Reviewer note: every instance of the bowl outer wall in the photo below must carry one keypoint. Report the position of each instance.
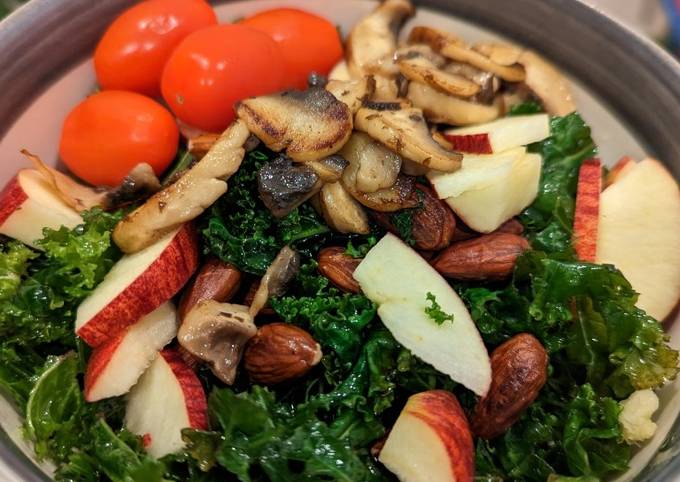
(637, 80)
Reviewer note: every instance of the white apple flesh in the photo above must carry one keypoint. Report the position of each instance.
(639, 233)
(500, 135)
(168, 398)
(136, 285)
(115, 366)
(28, 204)
(398, 280)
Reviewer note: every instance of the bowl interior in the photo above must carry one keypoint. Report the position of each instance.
(38, 130)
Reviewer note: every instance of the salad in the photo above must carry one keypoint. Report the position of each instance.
(281, 256)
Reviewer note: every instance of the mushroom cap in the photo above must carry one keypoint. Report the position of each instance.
(446, 109)
(283, 185)
(341, 211)
(548, 84)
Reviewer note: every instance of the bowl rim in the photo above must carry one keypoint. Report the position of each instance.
(46, 20)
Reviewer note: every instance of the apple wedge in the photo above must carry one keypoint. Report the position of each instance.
(168, 398)
(430, 441)
(28, 204)
(500, 135)
(136, 285)
(486, 205)
(115, 366)
(620, 169)
(587, 211)
(398, 280)
(639, 233)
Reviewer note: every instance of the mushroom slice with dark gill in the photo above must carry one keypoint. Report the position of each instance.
(217, 334)
(340, 210)
(283, 186)
(405, 131)
(352, 92)
(188, 197)
(329, 169)
(446, 109)
(282, 270)
(422, 69)
(401, 195)
(548, 84)
(140, 183)
(309, 125)
(372, 166)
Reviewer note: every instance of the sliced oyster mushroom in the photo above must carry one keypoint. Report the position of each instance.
(340, 72)
(405, 132)
(373, 39)
(188, 197)
(446, 109)
(282, 270)
(283, 186)
(488, 83)
(340, 210)
(329, 169)
(309, 125)
(217, 334)
(422, 69)
(372, 166)
(499, 53)
(399, 196)
(456, 49)
(352, 92)
(548, 84)
(140, 183)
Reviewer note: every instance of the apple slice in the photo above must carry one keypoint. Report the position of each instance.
(587, 211)
(620, 169)
(168, 398)
(500, 135)
(430, 441)
(115, 366)
(639, 233)
(28, 204)
(398, 279)
(138, 284)
(485, 208)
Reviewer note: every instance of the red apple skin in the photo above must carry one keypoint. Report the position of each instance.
(440, 410)
(156, 285)
(11, 197)
(472, 143)
(99, 360)
(587, 212)
(616, 170)
(194, 395)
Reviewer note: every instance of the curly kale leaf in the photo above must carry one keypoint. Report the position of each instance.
(242, 231)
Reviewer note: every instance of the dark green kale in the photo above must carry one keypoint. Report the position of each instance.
(526, 108)
(435, 312)
(242, 231)
(549, 220)
(403, 224)
(360, 250)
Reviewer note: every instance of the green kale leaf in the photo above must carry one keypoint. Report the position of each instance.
(435, 312)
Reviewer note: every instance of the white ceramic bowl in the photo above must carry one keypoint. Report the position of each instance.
(31, 117)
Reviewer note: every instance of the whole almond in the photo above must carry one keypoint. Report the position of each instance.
(486, 258)
(280, 352)
(519, 369)
(198, 146)
(216, 280)
(336, 265)
(433, 222)
(512, 226)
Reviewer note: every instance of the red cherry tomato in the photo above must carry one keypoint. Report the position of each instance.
(309, 43)
(214, 68)
(133, 51)
(109, 133)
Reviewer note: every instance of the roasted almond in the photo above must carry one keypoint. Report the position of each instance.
(519, 369)
(280, 352)
(200, 145)
(266, 310)
(486, 258)
(433, 223)
(512, 226)
(216, 280)
(336, 265)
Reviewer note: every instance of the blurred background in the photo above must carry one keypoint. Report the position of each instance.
(657, 19)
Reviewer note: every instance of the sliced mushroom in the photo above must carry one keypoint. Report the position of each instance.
(188, 197)
(217, 334)
(548, 84)
(140, 183)
(352, 92)
(309, 125)
(399, 196)
(414, 169)
(422, 69)
(373, 39)
(329, 169)
(340, 72)
(283, 186)
(446, 109)
(282, 270)
(372, 166)
(499, 53)
(456, 49)
(488, 83)
(405, 132)
(341, 211)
